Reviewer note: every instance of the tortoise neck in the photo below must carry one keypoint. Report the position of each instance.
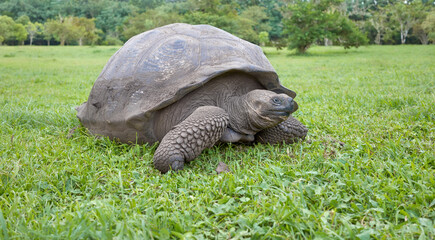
(241, 119)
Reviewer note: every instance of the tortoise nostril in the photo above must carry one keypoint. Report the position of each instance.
(291, 104)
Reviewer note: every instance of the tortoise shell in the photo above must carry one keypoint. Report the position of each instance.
(159, 67)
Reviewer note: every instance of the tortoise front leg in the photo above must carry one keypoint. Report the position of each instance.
(289, 131)
(185, 141)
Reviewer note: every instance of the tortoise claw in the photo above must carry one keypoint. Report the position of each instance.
(177, 165)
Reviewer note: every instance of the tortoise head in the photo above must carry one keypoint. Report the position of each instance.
(266, 109)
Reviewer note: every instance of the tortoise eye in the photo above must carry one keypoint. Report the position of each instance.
(276, 100)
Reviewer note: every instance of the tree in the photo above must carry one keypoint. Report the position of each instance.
(275, 17)
(62, 29)
(424, 28)
(10, 30)
(112, 17)
(89, 9)
(213, 7)
(259, 18)
(6, 28)
(272, 10)
(347, 33)
(148, 20)
(109, 14)
(358, 10)
(48, 35)
(34, 29)
(227, 23)
(379, 21)
(428, 25)
(86, 30)
(20, 30)
(243, 28)
(420, 33)
(20, 33)
(308, 22)
(264, 38)
(226, 20)
(145, 5)
(24, 20)
(36, 10)
(406, 16)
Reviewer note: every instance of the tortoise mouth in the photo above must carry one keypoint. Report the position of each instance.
(285, 110)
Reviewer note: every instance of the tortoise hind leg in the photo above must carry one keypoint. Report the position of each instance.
(288, 131)
(185, 141)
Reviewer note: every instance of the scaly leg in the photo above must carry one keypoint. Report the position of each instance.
(289, 131)
(185, 141)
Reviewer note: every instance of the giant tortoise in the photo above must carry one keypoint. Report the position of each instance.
(188, 87)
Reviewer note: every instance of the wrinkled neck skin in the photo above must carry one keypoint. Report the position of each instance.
(243, 117)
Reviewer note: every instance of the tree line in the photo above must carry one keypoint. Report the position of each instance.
(297, 24)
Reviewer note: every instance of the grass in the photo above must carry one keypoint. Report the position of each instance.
(366, 170)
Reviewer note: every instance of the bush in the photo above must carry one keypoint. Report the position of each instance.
(309, 22)
(112, 41)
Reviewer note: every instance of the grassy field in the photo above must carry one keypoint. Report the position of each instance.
(366, 170)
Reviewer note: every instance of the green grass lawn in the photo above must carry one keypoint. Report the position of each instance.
(366, 170)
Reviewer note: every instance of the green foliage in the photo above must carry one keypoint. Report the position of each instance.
(428, 25)
(112, 41)
(224, 22)
(61, 29)
(254, 20)
(263, 38)
(148, 20)
(70, 29)
(6, 28)
(113, 16)
(239, 26)
(34, 29)
(379, 20)
(273, 15)
(212, 7)
(120, 19)
(19, 33)
(309, 22)
(244, 28)
(36, 10)
(86, 30)
(406, 16)
(24, 20)
(259, 17)
(10, 30)
(144, 5)
(365, 171)
(424, 27)
(246, 25)
(348, 34)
